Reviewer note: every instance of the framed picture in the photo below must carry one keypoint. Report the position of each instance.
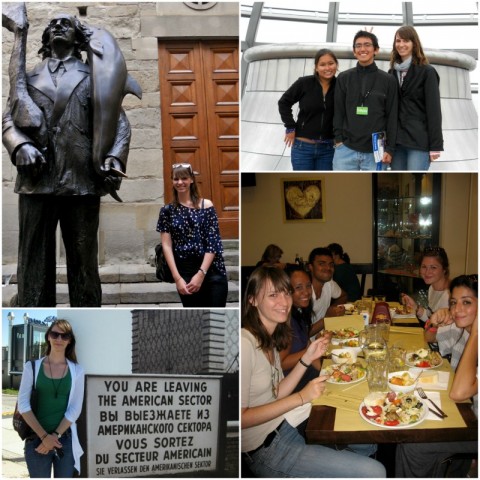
(303, 199)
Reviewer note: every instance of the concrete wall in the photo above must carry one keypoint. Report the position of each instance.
(127, 230)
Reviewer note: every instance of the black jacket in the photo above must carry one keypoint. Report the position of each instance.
(315, 118)
(355, 131)
(419, 111)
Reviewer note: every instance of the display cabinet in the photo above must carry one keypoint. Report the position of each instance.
(406, 220)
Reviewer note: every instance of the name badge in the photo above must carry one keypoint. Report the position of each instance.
(362, 110)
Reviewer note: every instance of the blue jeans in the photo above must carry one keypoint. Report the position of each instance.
(289, 456)
(410, 159)
(312, 156)
(40, 466)
(347, 159)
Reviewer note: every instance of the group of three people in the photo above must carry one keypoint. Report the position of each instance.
(279, 383)
(338, 116)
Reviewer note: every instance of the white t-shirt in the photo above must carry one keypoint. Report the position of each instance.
(436, 299)
(330, 290)
(256, 380)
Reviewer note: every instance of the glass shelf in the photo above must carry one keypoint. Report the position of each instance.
(406, 212)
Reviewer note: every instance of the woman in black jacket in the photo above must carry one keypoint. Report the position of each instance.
(311, 135)
(419, 134)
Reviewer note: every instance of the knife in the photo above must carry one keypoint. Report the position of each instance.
(437, 414)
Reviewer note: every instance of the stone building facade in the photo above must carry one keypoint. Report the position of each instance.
(127, 230)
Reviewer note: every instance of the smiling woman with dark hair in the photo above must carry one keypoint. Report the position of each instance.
(59, 383)
(311, 134)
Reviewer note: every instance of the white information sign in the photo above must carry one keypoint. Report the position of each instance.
(147, 425)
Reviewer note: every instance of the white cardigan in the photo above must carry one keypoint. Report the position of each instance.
(75, 400)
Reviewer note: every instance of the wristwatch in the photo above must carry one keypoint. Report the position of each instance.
(203, 271)
(57, 434)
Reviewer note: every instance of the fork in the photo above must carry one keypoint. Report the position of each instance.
(424, 396)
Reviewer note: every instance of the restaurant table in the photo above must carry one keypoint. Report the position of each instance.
(335, 416)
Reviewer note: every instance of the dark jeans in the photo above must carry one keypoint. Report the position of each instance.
(40, 466)
(312, 156)
(36, 271)
(214, 289)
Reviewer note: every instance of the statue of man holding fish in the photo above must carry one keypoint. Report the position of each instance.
(68, 136)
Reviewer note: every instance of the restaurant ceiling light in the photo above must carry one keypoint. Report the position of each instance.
(426, 200)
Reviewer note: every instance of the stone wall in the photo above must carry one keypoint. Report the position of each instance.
(127, 230)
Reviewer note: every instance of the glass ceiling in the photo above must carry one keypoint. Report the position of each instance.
(445, 25)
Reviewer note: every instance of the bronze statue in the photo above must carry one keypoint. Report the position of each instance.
(67, 134)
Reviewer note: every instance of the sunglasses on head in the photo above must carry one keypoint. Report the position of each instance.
(183, 165)
(63, 336)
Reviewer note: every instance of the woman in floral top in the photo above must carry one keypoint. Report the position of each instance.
(191, 243)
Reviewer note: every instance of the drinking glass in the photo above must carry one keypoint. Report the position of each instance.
(384, 328)
(396, 358)
(377, 373)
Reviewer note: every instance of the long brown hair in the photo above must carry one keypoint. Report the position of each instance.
(185, 170)
(65, 327)
(409, 33)
(251, 319)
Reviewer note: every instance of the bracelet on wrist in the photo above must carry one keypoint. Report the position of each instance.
(289, 130)
(303, 363)
(429, 327)
(44, 437)
(301, 398)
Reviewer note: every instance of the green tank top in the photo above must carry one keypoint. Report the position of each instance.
(52, 400)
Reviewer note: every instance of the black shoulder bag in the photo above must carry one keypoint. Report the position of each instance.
(162, 272)
(19, 423)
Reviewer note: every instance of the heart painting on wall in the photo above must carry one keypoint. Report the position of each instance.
(303, 199)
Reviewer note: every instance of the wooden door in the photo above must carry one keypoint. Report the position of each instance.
(199, 89)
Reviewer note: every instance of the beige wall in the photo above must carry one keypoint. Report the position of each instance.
(349, 219)
(459, 222)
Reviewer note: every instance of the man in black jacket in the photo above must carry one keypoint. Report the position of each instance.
(366, 102)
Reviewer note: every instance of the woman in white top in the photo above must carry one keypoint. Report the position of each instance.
(434, 269)
(59, 382)
(270, 414)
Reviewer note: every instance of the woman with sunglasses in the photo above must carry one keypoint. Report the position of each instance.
(59, 383)
(191, 241)
(434, 269)
(272, 417)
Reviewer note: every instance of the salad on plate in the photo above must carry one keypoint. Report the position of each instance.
(345, 372)
(423, 358)
(393, 410)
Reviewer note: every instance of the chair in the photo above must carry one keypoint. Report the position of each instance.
(363, 269)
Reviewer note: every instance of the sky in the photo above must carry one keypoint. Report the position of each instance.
(38, 314)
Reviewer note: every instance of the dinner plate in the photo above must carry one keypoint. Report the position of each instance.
(412, 364)
(338, 341)
(423, 416)
(328, 371)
